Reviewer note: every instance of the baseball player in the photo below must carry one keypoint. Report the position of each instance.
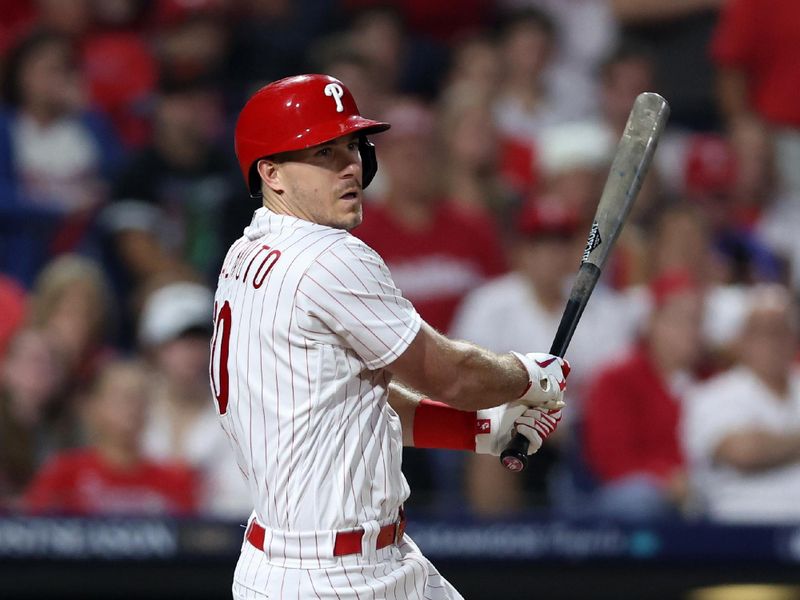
(311, 336)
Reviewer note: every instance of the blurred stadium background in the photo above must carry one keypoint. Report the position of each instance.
(676, 472)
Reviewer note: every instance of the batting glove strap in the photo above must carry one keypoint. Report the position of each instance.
(547, 380)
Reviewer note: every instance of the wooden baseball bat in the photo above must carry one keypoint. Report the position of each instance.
(629, 167)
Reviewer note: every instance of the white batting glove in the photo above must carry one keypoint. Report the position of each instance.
(547, 380)
(496, 426)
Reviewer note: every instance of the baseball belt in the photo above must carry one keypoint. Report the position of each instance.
(347, 542)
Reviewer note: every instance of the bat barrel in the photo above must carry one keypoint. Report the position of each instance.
(631, 162)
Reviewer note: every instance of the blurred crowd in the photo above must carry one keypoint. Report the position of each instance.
(119, 194)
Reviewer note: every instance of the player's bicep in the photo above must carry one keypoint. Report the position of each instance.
(428, 364)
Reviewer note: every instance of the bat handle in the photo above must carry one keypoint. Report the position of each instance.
(515, 455)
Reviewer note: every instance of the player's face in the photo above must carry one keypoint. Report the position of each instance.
(323, 183)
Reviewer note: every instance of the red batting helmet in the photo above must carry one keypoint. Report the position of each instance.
(296, 113)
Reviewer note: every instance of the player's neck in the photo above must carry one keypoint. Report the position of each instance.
(283, 206)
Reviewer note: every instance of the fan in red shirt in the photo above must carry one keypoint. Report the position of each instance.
(111, 476)
(755, 47)
(633, 409)
(435, 250)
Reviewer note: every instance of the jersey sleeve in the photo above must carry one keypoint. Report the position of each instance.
(348, 291)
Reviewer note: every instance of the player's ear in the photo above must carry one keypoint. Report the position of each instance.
(269, 172)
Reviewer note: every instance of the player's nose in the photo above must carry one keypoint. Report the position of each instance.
(351, 167)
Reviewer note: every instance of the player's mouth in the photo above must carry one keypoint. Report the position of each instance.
(351, 195)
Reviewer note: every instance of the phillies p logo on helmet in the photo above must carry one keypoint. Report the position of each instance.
(335, 90)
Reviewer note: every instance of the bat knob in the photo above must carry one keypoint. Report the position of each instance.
(515, 455)
(513, 463)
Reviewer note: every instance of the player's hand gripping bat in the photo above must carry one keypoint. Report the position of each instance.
(628, 169)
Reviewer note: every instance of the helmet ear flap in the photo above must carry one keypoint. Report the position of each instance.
(369, 161)
(254, 181)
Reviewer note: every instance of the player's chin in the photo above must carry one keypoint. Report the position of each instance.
(351, 216)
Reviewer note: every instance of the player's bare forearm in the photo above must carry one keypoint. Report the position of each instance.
(458, 373)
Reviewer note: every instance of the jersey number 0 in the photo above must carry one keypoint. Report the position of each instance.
(220, 345)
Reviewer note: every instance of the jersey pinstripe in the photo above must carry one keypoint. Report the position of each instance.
(307, 317)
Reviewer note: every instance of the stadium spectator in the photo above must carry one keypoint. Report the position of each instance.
(73, 19)
(34, 420)
(755, 49)
(13, 306)
(525, 306)
(183, 425)
(446, 20)
(435, 250)
(473, 79)
(524, 103)
(56, 156)
(678, 33)
(633, 407)
(573, 160)
(191, 38)
(474, 69)
(741, 429)
(624, 73)
(175, 205)
(277, 38)
(71, 302)
(111, 476)
(586, 30)
(471, 150)
(406, 62)
(771, 213)
(682, 240)
(110, 51)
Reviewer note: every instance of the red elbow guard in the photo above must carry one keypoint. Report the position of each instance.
(438, 425)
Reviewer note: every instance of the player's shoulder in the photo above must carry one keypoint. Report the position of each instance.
(348, 248)
(347, 260)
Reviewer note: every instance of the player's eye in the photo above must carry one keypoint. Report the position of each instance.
(352, 146)
(324, 152)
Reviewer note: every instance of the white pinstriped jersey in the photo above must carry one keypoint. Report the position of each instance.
(306, 318)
